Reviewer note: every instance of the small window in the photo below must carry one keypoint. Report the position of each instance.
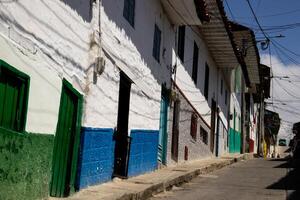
(156, 43)
(195, 63)
(206, 83)
(13, 98)
(181, 42)
(221, 87)
(194, 121)
(226, 94)
(128, 12)
(203, 135)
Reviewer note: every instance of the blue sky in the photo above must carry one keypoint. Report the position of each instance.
(271, 13)
(285, 53)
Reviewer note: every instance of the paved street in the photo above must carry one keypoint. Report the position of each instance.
(253, 179)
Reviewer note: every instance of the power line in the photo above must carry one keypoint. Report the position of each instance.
(230, 11)
(255, 17)
(274, 15)
(288, 50)
(286, 90)
(272, 83)
(285, 54)
(287, 110)
(288, 101)
(272, 29)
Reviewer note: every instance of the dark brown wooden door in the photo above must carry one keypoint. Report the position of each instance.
(175, 130)
(122, 140)
(213, 124)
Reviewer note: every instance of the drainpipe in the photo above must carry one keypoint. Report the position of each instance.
(100, 30)
(96, 65)
(174, 68)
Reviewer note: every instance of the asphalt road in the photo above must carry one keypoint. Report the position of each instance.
(253, 179)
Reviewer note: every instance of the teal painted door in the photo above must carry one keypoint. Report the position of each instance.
(66, 144)
(234, 131)
(163, 124)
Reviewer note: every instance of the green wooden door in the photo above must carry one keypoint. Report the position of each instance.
(65, 153)
(13, 99)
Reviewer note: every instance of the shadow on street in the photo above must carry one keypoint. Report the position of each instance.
(290, 183)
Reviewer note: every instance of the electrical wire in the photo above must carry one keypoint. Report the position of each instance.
(256, 19)
(289, 93)
(283, 61)
(287, 110)
(270, 54)
(274, 15)
(230, 11)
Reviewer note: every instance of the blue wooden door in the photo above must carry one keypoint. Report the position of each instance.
(162, 145)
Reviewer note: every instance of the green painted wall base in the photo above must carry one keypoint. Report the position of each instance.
(25, 165)
(234, 141)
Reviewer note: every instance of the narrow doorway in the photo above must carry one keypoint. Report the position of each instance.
(218, 136)
(163, 124)
(66, 145)
(175, 130)
(213, 124)
(122, 139)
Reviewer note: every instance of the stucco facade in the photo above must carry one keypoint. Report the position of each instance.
(104, 65)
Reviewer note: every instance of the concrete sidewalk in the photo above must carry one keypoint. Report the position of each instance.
(144, 186)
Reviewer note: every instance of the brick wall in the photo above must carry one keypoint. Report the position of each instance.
(96, 159)
(197, 149)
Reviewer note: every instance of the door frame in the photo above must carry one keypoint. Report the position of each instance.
(175, 130)
(164, 135)
(213, 124)
(122, 140)
(73, 167)
(217, 136)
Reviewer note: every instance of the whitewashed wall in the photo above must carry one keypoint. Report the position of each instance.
(253, 124)
(235, 105)
(55, 37)
(223, 114)
(235, 102)
(51, 40)
(130, 49)
(195, 93)
(47, 40)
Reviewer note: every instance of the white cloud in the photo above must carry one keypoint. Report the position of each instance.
(285, 93)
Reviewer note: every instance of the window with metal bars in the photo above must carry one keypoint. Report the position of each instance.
(156, 43)
(129, 11)
(14, 86)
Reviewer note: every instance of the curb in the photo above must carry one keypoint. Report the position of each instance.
(187, 177)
